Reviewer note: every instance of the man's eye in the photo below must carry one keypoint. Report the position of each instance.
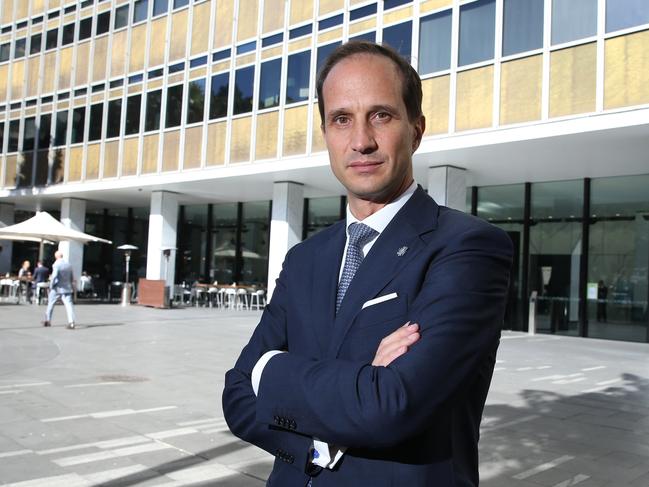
(382, 116)
(341, 120)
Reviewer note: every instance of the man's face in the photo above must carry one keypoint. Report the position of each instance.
(366, 128)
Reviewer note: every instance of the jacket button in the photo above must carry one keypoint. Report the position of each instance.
(291, 459)
(292, 425)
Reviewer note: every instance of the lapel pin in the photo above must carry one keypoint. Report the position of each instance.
(402, 251)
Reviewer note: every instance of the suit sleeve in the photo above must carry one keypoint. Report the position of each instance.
(239, 400)
(459, 308)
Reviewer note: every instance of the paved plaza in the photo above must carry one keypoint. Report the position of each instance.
(133, 398)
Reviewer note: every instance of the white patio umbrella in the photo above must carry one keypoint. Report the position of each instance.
(44, 228)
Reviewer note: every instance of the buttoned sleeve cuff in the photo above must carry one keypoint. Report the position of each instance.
(255, 377)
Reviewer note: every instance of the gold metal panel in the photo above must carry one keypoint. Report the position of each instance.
(298, 45)
(111, 158)
(573, 74)
(266, 143)
(81, 71)
(193, 147)
(97, 98)
(397, 16)
(138, 46)
(80, 102)
(4, 78)
(99, 58)
(53, 24)
(216, 144)
(5, 38)
(58, 165)
(150, 154)
(295, 128)
(153, 85)
(240, 141)
(33, 64)
(272, 52)
(10, 171)
(474, 103)
(520, 90)
(7, 9)
(201, 28)
(30, 111)
(22, 8)
(222, 66)
(17, 79)
(273, 15)
(317, 140)
(301, 10)
(101, 7)
(38, 6)
(116, 93)
(170, 148)
(429, 5)
(247, 20)
(198, 73)
(54, 3)
(118, 54)
(92, 161)
(175, 78)
(129, 159)
(178, 35)
(247, 59)
(63, 105)
(331, 35)
(25, 169)
(158, 37)
(327, 6)
(626, 70)
(224, 20)
(65, 68)
(134, 89)
(76, 163)
(435, 104)
(362, 26)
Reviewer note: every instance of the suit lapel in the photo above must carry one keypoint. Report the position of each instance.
(385, 260)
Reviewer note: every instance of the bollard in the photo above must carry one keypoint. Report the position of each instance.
(531, 320)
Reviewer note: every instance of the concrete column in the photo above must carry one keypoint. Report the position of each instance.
(447, 186)
(285, 226)
(163, 221)
(73, 215)
(6, 219)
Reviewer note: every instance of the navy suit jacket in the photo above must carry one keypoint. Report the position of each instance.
(415, 422)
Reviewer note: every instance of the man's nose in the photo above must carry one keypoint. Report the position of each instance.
(363, 140)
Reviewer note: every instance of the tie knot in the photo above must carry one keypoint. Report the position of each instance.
(360, 234)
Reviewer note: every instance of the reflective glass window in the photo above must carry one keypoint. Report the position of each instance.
(2, 136)
(29, 134)
(174, 106)
(223, 252)
(114, 118)
(271, 40)
(323, 53)
(219, 95)
(44, 128)
(435, 42)
(51, 39)
(523, 26)
(622, 14)
(160, 6)
(121, 17)
(477, 31)
(247, 47)
(68, 34)
(132, 123)
(322, 213)
(140, 10)
(180, 3)
(271, 74)
(199, 61)
(300, 31)
(5, 52)
(297, 81)
(361, 12)
(103, 23)
(255, 233)
(387, 4)
(573, 19)
(78, 124)
(96, 119)
(399, 37)
(153, 108)
(195, 100)
(85, 28)
(330, 22)
(61, 127)
(367, 36)
(19, 48)
(217, 56)
(14, 132)
(243, 89)
(35, 43)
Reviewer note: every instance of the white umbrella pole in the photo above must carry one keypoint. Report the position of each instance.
(41, 250)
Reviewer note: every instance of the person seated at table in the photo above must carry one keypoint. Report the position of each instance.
(41, 275)
(85, 284)
(25, 277)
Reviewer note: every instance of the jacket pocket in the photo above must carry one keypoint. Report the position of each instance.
(379, 313)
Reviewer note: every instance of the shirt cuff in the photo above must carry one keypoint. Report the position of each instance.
(255, 377)
(326, 456)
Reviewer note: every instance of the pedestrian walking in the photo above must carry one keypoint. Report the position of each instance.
(61, 287)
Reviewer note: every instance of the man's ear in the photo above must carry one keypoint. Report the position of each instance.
(420, 128)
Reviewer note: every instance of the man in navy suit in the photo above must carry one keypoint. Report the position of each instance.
(371, 364)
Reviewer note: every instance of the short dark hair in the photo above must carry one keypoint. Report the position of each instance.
(411, 83)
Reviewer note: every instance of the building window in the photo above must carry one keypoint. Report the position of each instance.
(573, 20)
(29, 136)
(2, 136)
(5, 52)
(477, 31)
(68, 34)
(103, 23)
(51, 39)
(297, 80)
(195, 100)
(96, 119)
(300, 31)
(323, 53)
(19, 48)
(271, 74)
(35, 43)
(523, 26)
(180, 3)
(174, 106)
(622, 14)
(219, 95)
(14, 132)
(78, 122)
(272, 40)
(160, 7)
(243, 89)
(140, 10)
(121, 17)
(114, 118)
(254, 243)
(153, 107)
(61, 127)
(85, 28)
(399, 37)
(132, 124)
(45, 126)
(435, 42)
(330, 22)
(322, 213)
(361, 12)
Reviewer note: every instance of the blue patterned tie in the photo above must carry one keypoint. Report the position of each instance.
(359, 235)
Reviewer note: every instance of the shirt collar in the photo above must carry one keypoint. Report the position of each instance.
(379, 221)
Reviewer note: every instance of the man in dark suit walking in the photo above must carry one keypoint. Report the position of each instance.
(371, 364)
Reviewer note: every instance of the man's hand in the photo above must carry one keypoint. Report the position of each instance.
(396, 344)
